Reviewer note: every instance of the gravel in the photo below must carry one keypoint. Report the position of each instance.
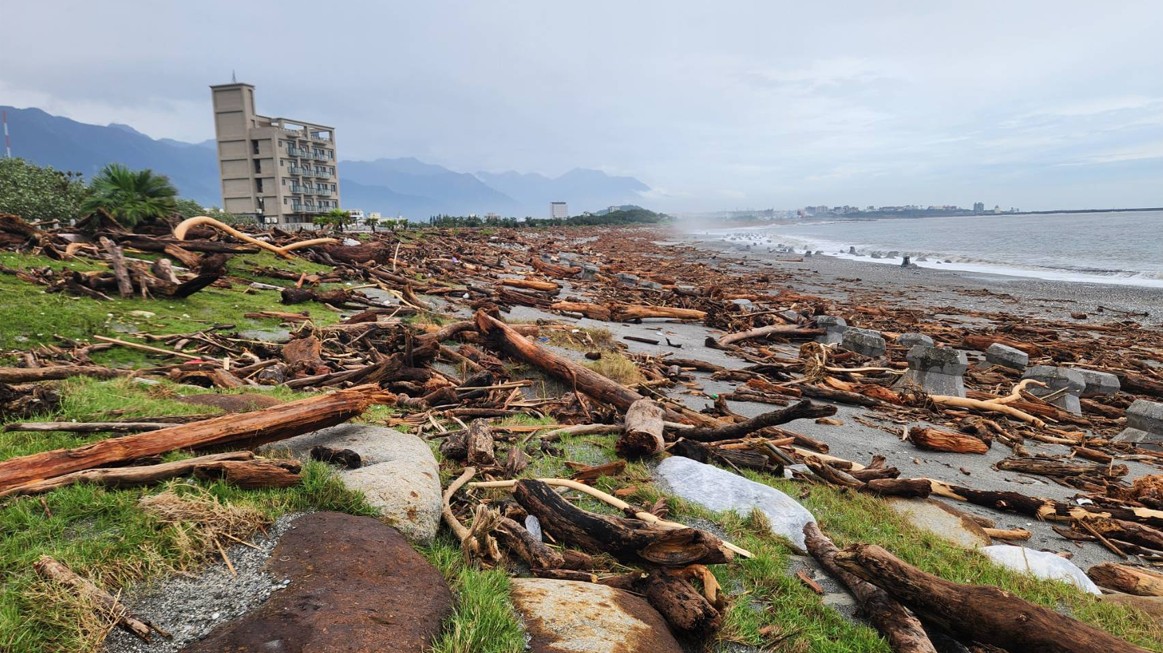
(190, 606)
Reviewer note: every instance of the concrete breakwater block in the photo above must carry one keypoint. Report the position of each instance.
(937, 370)
(1066, 386)
(864, 342)
(720, 490)
(913, 339)
(1006, 356)
(578, 617)
(1040, 564)
(398, 475)
(1098, 383)
(1144, 423)
(355, 584)
(834, 328)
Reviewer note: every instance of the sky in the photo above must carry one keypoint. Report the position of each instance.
(717, 106)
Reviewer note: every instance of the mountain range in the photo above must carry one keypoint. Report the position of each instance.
(401, 186)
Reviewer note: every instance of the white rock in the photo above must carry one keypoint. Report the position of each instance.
(720, 490)
(1040, 564)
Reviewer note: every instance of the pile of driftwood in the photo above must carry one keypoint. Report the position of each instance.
(453, 377)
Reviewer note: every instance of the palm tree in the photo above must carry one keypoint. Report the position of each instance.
(131, 197)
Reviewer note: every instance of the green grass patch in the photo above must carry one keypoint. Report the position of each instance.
(484, 620)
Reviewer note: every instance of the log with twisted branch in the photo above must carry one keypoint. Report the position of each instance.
(285, 252)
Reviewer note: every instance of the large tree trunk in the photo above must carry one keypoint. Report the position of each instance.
(642, 435)
(902, 630)
(627, 539)
(977, 613)
(244, 430)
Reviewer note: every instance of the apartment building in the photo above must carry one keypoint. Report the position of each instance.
(278, 170)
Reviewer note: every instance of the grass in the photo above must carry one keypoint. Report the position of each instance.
(33, 317)
(617, 367)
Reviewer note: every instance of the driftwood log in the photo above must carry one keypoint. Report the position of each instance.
(902, 630)
(642, 434)
(56, 373)
(240, 430)
(802, 410)
(626, 539)
(977, 613)
(782, 330)
(940, 440)
(1139, 581)
(59, 573)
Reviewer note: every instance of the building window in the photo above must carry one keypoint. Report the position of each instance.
(254, 146)
(257, 165)
(258, 187)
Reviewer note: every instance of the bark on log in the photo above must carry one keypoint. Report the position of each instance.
(59, 573)
(240, 430)
(252, 474)
(533, 284)
(903, 631)
(479, 448)
(1049, 467)
(521, 542)
(117, 262)
(976, 612)
(642, 435)
(683, 606)
(899, 487)
(1045, 509)
(592, 311)
(627, 539)
(982, 342)
(86, 427)
(949, 441)
(801, 410)
(1127, 579)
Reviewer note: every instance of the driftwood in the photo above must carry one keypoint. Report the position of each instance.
(252, 474)
(626, 539)
(120, 271)
(59, 573)
(939, 440)
(617, 312)
(87, 427)
(782, 330)
(285, 252)
(902, 630)
(642, 435)
(1127, 579)
(521, 542)
(129, 476)
(1050, 467)
(977, 613)
(683, 606)
(240, 430)
(56, 373)
(802, 410)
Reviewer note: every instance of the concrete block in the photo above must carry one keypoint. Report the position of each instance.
(1098, 383)
(1006, 356)
(937, 370)
(791, 316)
(589, 272)
(834, 328)
(1146, 416)
(912, 339)
(1067, 383)
(627, 279)
(864, 342)
(744, 305)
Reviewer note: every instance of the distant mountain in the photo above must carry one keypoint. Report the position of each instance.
(404, 186)
(70, 145)
(581, 189)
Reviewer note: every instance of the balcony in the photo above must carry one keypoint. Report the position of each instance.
(299, 188)
(294, 151)
(321, 155)
(323, 192)
(295, 170)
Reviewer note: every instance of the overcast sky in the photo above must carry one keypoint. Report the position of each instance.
(716, 105)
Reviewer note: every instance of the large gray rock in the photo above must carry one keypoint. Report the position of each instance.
(399, 475)
(864, 342)
(719, 490)
(1040, 564)
(1098, 383)
(573, 617)
(1144, 423)
(913, 339)
(937, 370)
(834, 328)
(1064, 383)
(1006, 356)
(946, 523)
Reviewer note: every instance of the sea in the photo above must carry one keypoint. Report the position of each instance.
(1123, 248)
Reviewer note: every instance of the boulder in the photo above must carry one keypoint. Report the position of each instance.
(355, 584)
(937, 370)
(941, 520)
(1064, 383)
(1040, 564)
(912, 339)
(1098, 383)
(1006, 356)
(574, 617)
(864, 342)
(719, 490)
(399, 475)
(834, 328)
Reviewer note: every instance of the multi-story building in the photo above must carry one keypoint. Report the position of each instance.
(558, 210)
(278, 170)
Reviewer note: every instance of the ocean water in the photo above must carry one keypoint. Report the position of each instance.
(1124, 248)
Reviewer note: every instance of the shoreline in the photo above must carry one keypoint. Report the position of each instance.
(829, 275)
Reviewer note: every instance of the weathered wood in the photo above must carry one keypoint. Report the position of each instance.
(533, 284)
(903, 631)
(939, 440)
(977, 613)
(521, 542)
(59, 573)
(1139, 581)
(87, 427)
(117, 262)
(899, 487)
(239, 430)
(1051, 467)
(56, 373)
(479, 447)
(642, 435)
(252, 474)
(683, 607)
(627, 539)
(802, 410)
(781, 330)
(982, 342)
(118, 477)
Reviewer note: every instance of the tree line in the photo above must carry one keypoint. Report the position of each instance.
(636, 215)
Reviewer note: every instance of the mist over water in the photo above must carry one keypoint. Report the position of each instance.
(1121, 248)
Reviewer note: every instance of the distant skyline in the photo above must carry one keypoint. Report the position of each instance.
(739, 105)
